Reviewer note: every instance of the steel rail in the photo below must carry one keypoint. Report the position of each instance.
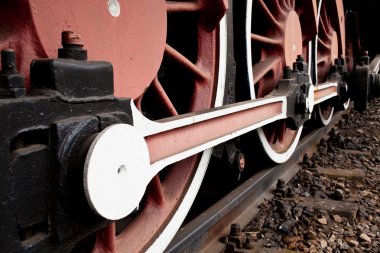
(203, 233)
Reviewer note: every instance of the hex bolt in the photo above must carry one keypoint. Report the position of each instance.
(295, 66)
(300, 57)
(342, 60)
(281, 188)
(8, 61)
(365, 58)
(300, 64)
(280, 184)
(249, 242)
(287, 72)
(72, 46)
(71, 39)
(235, 229)
(12, 83)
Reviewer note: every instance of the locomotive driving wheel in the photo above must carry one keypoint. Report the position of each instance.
(168, 56)
(275, 38)
(190, 78)
(329, 48)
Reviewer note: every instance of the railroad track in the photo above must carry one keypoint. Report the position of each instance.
(204, 233)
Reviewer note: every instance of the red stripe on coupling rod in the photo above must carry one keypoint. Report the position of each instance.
(175, 141)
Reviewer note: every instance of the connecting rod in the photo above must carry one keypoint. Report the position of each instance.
(123, 159)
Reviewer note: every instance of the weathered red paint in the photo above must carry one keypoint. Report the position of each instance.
(133, 42)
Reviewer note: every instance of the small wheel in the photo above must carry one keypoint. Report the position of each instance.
(274, 39)
(191, 78)
(329, 47)
(325, 112)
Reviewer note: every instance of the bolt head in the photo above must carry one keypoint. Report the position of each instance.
(300, 57)
(70, 38)
(11, 81)
(241, 161)
(235, 229)
(280, 182)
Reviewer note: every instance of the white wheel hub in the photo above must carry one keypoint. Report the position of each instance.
(114, 180)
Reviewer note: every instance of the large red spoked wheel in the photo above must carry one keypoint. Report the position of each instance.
(190, 78)
(169, 56)
(330, 46)
(277, 32)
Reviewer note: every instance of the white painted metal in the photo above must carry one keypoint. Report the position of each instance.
(325, 121)
(110, 150)
(113, 8)
(310, 101)
(248, 31)
(114, 180)
(346, 104)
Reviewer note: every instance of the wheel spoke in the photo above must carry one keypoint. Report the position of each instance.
(326, 20)
(284, 6)
(281, 130)
(175, 6)
(292, 4)
(265, 40)
(106, 239)
(263, 67)
(269, 14)
(323, 44)
(155, 192)
(325, 32)
(270, 133)
(279, 8)
(323, 59)
(164, 97)
(186, 63)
